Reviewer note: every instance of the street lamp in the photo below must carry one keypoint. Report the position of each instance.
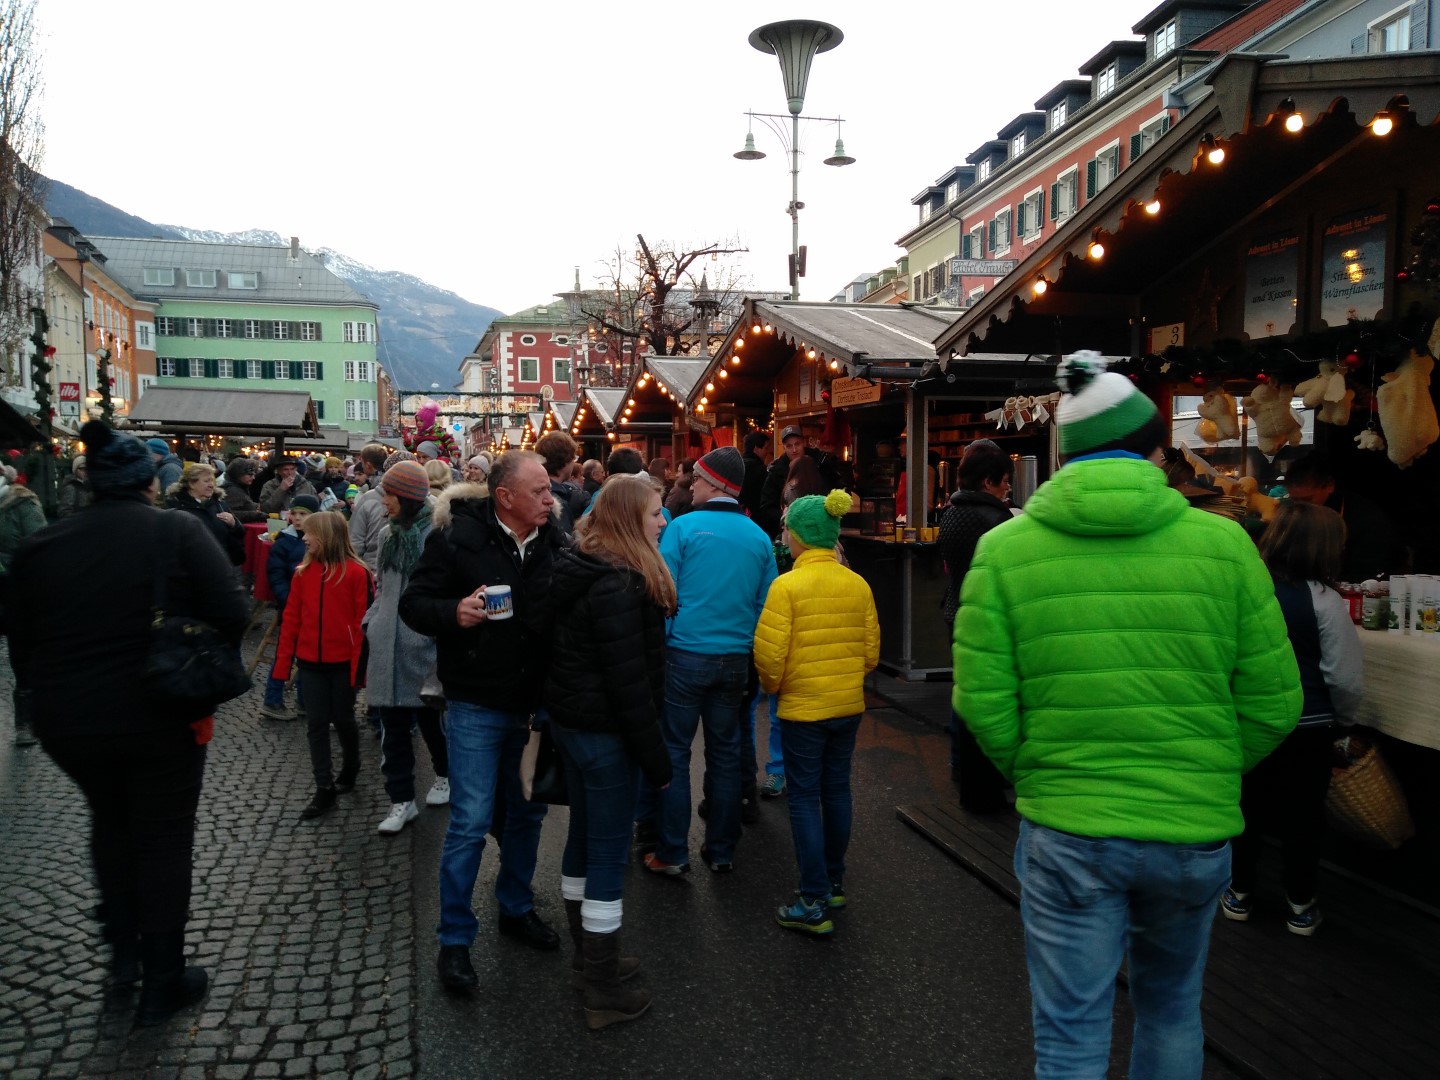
(794, 43)
(706, 308)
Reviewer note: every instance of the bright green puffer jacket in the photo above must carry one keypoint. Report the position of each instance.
(1121, 657)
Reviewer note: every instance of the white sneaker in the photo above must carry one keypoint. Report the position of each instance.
(400, 814)
(439, 792)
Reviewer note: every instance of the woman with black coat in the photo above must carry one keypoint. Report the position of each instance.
(612, 593)
(195, 494)
(138, 758)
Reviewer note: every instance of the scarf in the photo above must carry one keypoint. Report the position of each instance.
(401, 549)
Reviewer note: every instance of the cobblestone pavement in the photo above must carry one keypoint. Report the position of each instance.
(307, 929)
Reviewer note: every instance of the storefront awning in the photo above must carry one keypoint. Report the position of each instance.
(1095, 303)
(179, 410)
(16, 432)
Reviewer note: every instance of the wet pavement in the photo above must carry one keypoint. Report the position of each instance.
(319, 939)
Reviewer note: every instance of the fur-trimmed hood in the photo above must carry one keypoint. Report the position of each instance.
(443, 515)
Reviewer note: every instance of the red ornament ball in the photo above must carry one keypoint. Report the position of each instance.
(1433, 206)
(1198, 380)
(1262, 378)
(1352, 361)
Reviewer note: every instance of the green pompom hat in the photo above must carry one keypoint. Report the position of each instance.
(815, 521)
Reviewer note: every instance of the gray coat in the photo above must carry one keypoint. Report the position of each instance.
(368, 522)
(400, 659)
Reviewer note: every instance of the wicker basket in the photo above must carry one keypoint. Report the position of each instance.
(1367, 804)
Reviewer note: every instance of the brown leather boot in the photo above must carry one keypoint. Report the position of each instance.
(606, 1000)
(629, 965)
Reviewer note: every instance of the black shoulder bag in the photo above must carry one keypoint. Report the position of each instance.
(190, 666)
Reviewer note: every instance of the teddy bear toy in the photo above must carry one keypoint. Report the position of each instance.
(1268, 407)
(1327, 394)
(427, 429)
(1407, 412)
(1220, 420)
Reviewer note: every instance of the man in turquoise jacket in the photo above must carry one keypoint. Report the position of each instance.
(1122, 660)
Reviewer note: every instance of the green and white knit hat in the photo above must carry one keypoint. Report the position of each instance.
(1097, 407)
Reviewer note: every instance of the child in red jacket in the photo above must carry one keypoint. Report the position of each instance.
(329, 595)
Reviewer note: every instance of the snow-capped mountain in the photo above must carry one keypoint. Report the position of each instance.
(425, 330)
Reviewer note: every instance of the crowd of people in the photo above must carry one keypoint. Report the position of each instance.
(616, 610)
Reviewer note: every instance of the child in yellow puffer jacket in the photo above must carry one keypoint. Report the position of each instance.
(817, 638)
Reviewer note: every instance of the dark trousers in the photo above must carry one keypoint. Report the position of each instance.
(143, 791)
(982, 788)
(397, 747)
(329, 700)
(1285, 794)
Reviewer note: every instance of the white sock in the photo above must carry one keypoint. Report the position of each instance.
(572, 888)
(601, 916)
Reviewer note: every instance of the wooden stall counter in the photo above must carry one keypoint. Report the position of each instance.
(1402, 684)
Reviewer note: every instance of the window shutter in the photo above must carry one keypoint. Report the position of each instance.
(1360, 43)
(319, 369)
(319, 409)
(993, 223)
(1091, 167)
(267, 369)
(965, 247)
(1054, 201)
(237, 368)
(1040, 211)
(1164, 123)
(1420, 25)
(1020, 218)
(293, 329)
(1136, 144)
(212, 369)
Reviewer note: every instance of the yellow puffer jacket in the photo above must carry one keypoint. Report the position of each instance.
(817, 638)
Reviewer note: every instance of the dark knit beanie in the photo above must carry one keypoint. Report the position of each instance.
(118, 462)
(723, 467)
(398, 455)
(305, 502)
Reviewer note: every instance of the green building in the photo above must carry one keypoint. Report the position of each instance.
(232, 316)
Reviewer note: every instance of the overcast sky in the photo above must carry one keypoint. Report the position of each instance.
(490, 148)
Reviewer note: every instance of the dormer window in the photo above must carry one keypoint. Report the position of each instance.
(159, 275)
(1165, 39)
(1058, 114)
(952, 192)
(1017, 146)
(983, 171)
(1105, 80)
(200, 279)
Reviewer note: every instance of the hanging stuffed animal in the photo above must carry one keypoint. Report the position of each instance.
(1268, 407)
(1220, 419)
(1328, 395)
(1407, 412)
(428, 429)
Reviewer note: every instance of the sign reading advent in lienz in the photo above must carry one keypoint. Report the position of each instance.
(1352, 267)
(1272, 266)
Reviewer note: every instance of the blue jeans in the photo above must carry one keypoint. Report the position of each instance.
(708, 690)
(275, 692)
(484, 747)
(600, 776)
(817, 764)
(776, 765)
(1089, 902)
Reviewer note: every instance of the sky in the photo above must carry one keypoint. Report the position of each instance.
(492, 148)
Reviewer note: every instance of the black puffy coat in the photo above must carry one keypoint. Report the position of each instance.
(607, 669)
(970, 515)
(498, 664)
(231, 538)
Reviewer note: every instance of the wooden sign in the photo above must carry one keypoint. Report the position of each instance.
(845, 392)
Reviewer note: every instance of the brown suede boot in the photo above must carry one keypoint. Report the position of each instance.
(606, 1001)
(629, 965)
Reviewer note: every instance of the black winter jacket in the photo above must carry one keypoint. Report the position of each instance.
(499, 664)
(80, 611)
(970, 515)
(231, 538)
(607, 668)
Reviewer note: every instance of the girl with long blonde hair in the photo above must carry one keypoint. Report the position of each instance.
(329, 595)
(612, 593)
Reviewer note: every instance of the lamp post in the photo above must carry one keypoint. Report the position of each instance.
(794, 42)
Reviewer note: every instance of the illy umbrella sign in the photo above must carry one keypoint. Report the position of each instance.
(69, 399)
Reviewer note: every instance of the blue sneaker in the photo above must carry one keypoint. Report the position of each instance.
(804, 914)
(837, 895)
(774, 785)
(1235, 905)
(1304, 919)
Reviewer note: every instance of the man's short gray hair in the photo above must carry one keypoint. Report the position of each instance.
(507, 465)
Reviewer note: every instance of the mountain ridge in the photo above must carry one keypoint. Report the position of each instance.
(424, 329)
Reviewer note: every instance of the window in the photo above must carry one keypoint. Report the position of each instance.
(254, 369)
(1017, 147)
(252, 328)
(977, 242)
(982, 172)
(281, 330)
(1391, 33)
(164, 326)
(224, 369)
(244, 279)
(1102, 169)
(530, 368)
(142, 336)
(936, 280)
(925, 211)
(1148, 135)
(197, 368)
(309, 370)
(165, 365)
(1058, 115)
(360, 332)
(1030, 215)
(224, 327)
(1065, 195)
(562, 371)
(1000, 232)
(319, 409)
(349, 370)
(282, 369)
(560, 339)
(195, 327)
(359, 409)
(952, 192)
(527, 339)
(1105, 80)
(917, 292)
(973, 296)
(1165, 39)
(200, 279)
(365, 369)
(159, 275)
(309, 331)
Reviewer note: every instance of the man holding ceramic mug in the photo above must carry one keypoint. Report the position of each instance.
(479, 591)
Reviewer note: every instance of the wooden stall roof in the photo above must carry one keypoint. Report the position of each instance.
(257, 413)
